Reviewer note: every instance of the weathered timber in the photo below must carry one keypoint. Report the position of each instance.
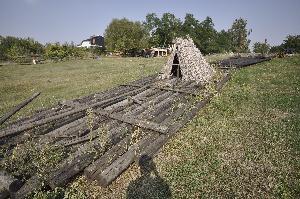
(111, 109)
(32, 184)
(3, 192)
(87, 100)
(106, 176)
(77, 162)
(178, 124)
(103, 175)
(108, 102)
(111, 172)
(166, 89)
(162, 106)
(239, 62)
(17, 108)
(93, 171)
(133, 121)
(10, 183)
(109, 157)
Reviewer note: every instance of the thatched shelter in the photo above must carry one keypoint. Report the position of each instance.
(186, 62)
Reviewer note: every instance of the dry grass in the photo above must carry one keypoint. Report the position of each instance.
(244, 144)
(68, 80)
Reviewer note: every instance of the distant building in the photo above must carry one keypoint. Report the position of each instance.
(159, 52)
(93, 41)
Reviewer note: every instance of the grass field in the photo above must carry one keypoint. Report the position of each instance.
(244, 144)
(68, 80)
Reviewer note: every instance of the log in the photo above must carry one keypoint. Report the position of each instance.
(87, 100)
(110, 173)
(99, 165)
(76, 162)
(17, 108)
(106, 159)
(32, 184)
(10, 183)
(108, 102)
(3, 193)
(166, 89)
(177, 125)
(133, 121)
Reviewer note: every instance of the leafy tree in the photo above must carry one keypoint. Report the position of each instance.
(277, 49)
(57, 51)
(239, 36)
(292, 42)
(162, 30)
(125, 36)
(11, 48)
(261, 47)
(223, 41)
(207, 36)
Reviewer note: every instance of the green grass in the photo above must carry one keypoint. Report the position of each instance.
(244, 144)
(67, 80)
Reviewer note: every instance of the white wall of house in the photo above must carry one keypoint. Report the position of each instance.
(86, 44)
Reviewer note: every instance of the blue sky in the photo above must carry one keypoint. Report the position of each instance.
(75, 20)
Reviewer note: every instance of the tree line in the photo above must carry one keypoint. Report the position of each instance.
(126, 36)
(130, 37)
(25, 49)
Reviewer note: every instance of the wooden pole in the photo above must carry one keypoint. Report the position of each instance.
(17, 108)
(9, 182)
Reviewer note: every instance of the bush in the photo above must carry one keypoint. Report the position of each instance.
(262, 48)
(13, 48)
(65, 51)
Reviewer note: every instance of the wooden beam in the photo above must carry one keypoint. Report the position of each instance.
(166, 89)
(17, 108)
(8, 182)
(133, 121)
(18, 129)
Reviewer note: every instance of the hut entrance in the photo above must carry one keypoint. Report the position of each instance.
(176, 71)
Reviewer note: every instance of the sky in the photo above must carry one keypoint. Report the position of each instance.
(75, 20)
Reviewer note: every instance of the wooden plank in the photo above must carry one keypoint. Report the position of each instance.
(3, 192)
(110, 173)
(109, 157)
(151, 146)
(9, 182)
(79, 160)
(17, 108)
(108, 102)
(166, 89)
(176, 126)
(133, 121)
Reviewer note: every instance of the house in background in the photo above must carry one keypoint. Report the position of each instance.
(93, 41)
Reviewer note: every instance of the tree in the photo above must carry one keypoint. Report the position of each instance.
(162, 30)
(239, 36)
(223, 41)
(292, 43)
(277, 49)
(12, 47)
(207, 36)
(125, 36)
(261, 47)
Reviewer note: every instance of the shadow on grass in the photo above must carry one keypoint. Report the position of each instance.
(150, 184)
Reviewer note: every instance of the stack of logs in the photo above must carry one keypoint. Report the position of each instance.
(239, 62)
(136, 118)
